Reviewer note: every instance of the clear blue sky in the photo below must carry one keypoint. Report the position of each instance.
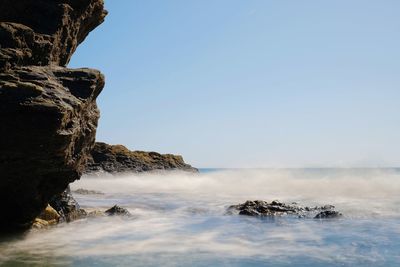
(251, 83)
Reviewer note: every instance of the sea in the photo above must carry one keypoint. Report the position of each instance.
(181, 219)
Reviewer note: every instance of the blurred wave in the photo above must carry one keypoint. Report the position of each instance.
(179, 220)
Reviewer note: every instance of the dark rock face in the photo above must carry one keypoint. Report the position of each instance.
(275, 208)
(48, 113)
(44, 32)
(118, 158)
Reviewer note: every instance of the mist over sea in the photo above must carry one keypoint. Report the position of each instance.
(180, 219)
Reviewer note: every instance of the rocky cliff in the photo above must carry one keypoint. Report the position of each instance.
(48, 113)
(117, 158)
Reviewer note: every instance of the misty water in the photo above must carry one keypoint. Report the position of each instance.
(180, 219)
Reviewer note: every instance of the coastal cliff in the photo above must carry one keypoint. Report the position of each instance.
(117, 159)
(48, 113)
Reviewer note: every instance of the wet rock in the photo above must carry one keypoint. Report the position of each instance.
(328, 214)
(117, 158)
(276, 208)
(49, 214)
(47, 218)
(117, 210)
(67, 206)
(48, 113)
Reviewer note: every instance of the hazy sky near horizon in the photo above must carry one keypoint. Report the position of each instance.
(251, 83)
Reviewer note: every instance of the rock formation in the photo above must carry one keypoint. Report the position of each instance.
(261, 208)
(67, 207)
(48, 113)
(47, 218)
(45, 32)
(117, 158)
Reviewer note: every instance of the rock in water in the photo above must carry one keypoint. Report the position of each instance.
(48, 113)
(328, 214)
(261, 208)
(66, 205)
(117, 158)
(47, 218)
(117, 210)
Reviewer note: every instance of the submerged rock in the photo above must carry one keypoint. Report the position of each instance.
(328, 214)
(117, 158)
(95, 214)
(276, 208)
(114, 211)
(48, 113)
(117, 210)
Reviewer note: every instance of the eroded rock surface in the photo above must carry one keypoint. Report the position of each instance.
(117, 158)
(44, 32)
(275, 208)
(48, 113)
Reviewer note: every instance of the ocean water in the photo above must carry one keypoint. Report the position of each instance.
(180, 219)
